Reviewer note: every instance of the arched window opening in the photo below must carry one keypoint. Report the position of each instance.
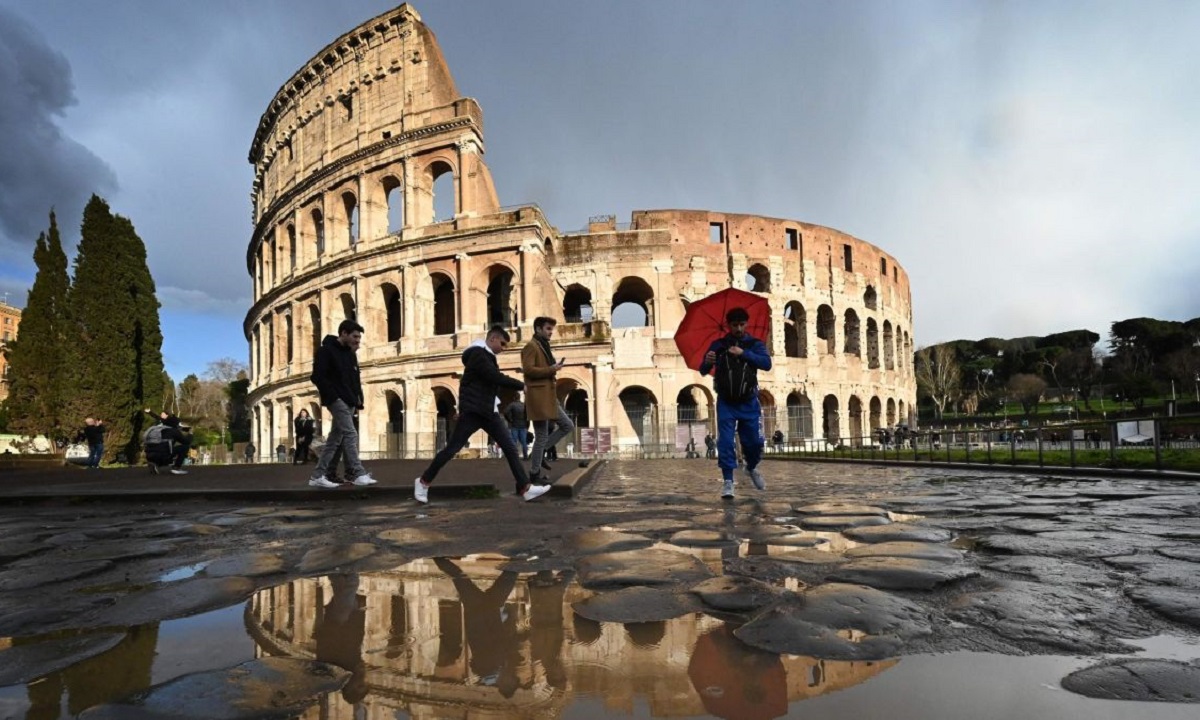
(291, 233)
(349, 308)
(770, 419)
(443, 305)
(395, 408)
(693, 404)
(902, 413)
(447, 412)
(287, 320)
(500, 310)
(830, 419)
(633, 304)
(758, 279)
(269, 331)
(891, 412)
(872, 344)
(351, 204)
(795, 330)
(577, 304)
(258, 270)
(257, 359)
(640, 408)
(850, 328)
(827, 329)
(869, 298)
(876, 413)
(393, 193)
(548, 246)
(442, 189)
(578, 408)
(318, 221)
(314, 319)
(889, 356)
(392, 311)
(855, 408)
(800, 417)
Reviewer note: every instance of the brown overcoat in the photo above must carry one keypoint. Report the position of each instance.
(541, 400)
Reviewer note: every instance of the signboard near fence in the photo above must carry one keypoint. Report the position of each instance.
(595, 441)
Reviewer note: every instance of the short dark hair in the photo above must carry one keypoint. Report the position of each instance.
(498, 330)
(542, 320)
(349, 326)
(737, 314)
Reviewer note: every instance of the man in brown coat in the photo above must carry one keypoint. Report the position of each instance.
(542, 407)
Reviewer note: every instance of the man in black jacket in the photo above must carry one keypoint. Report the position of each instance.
(180, 440)
(335, 373)
(479, 409)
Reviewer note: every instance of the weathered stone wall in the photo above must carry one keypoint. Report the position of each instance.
(347, 158)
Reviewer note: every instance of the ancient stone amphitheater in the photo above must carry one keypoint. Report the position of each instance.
(371, 200)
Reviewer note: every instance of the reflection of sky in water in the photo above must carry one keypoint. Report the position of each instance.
(204, 642)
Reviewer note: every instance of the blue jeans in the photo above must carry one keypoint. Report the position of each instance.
(746, 420)
(344, 435)
(95, 452)
(520, 437)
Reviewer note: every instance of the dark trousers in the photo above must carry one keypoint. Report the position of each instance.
(302, 445)
(181, 442)
(468, 424)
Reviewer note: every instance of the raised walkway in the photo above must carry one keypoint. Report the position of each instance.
(266, 482)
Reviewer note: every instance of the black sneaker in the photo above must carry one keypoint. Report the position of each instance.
(546, 465)
(538, 479)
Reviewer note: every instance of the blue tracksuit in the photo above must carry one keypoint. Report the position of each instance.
(744, 418)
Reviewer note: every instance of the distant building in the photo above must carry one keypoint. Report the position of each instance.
(10, 320)
(372, 201)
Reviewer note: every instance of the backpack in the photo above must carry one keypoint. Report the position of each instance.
(154, 434)
(735, 379)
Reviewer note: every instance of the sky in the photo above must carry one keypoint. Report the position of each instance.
(1034, 166)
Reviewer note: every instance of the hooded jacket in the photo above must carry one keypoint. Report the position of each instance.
(482, 380)
(335, 373)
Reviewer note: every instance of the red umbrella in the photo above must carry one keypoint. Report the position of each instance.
(704, 322)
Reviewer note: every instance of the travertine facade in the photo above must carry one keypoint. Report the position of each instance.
(371, 200)
(10, 321)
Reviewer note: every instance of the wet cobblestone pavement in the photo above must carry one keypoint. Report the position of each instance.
(839, 591)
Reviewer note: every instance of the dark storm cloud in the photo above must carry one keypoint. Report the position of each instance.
(40, 167)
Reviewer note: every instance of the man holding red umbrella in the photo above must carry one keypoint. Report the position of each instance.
(734, 360)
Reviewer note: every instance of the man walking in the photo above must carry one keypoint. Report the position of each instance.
(541, 397)
(478, 409)
(735, 361)
(335, 373)
(93, 432)
(514, 414)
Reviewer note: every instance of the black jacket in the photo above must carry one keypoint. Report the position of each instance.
(481, 380)
(305, 428)
(335, 373)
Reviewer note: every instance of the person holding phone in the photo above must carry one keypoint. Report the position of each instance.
(542, 407)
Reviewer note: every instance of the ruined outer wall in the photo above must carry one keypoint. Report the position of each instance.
(347, 158)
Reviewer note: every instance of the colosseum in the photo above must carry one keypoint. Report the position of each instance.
(371, 200)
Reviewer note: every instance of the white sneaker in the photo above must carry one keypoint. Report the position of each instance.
(365, 479)
(757, 478)
(727, 489)
(420, 491)
(177, 471)
(321, 483)
(533, 492)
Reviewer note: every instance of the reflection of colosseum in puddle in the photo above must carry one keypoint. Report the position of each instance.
(429, 644)
(353, 160)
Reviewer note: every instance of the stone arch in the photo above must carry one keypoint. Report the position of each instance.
(446, 406)
(641, 410)
(851, 330)
(633, 293)
(766, 401)
(314, 324)
(876, 412)
(578, 406)
(292, 249)
(392, 312)
(577, 304)
(870, 299)
(350, 216)
(795, 330)
(444, 322)
(872, 344)
(901, 412)
(501, 305)
(855, 409)
(317, 218)
(269, 332)
(289, 337)
(694, 404)
(758, 278)
(889, 356)
(891, 412)
(348, 306)
(827, 329)
(830, 419)
(800, 420)
(393, 201)
(395, 412)
(548, 247)
(443, 191)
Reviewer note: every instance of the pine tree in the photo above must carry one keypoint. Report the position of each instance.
(38, 366)
(120, 371)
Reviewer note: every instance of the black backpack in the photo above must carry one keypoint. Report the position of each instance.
(735, 379)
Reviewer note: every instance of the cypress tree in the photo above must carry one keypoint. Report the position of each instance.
(120, 370)
(38, 365)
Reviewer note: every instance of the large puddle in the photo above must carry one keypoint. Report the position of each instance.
(481, 637)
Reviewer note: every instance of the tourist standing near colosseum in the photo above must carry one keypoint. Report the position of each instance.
(541, 398)
(736, 359)
(335, 373)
